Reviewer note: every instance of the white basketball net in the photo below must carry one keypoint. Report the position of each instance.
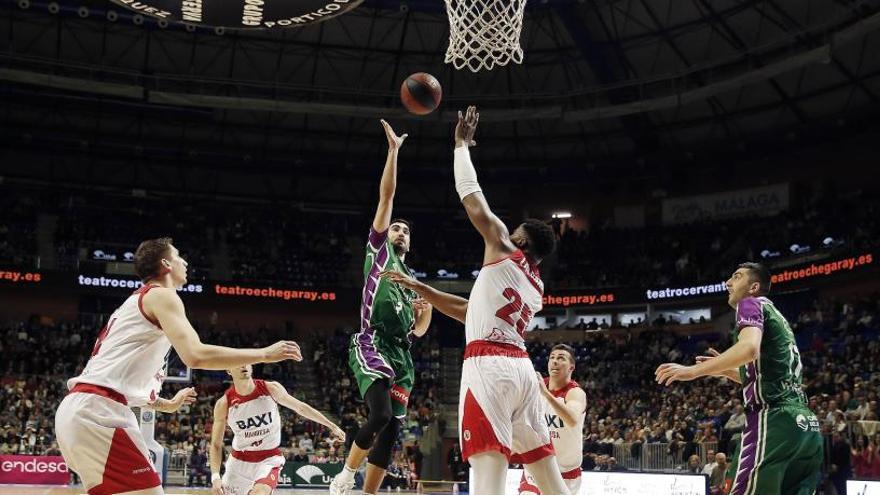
(484, 33)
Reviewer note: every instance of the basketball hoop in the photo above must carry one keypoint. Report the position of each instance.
(484, 33)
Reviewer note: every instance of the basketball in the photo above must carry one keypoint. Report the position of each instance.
(421, 93)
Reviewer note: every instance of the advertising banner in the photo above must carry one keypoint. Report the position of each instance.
(800, 274)
(765, 200)
(624, 483)
(33, 470)
(303, 475)
(859, 487)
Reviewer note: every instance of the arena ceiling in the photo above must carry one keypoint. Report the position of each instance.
(602, 81)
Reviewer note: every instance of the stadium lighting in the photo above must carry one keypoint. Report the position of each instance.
(562, 214)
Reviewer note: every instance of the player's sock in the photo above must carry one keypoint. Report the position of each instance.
(347, 474)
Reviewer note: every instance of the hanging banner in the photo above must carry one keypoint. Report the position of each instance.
(765, 200)
(305, 475)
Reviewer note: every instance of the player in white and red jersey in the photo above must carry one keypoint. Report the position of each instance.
(565, 413)
(97, 432)
(250, 408)
(501, 412)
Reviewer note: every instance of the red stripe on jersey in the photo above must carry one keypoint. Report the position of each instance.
(562, 392)
(141, 293)
(533, 455)
(233, 398)
(255, 455)
(479, 348)
(88, 388)
(572, 475)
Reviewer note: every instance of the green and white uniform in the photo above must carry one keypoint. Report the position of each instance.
(380, 350)
(781, 447)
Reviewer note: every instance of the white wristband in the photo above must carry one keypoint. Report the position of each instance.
(465, 175)
(215, 477)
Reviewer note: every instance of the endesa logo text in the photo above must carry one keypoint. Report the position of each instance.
(34, 466)
(823, 269)
(28, 469)
(578, 299)
(16, 276)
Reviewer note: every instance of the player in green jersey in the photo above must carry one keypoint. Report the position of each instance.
(781, 448)
(379, 356)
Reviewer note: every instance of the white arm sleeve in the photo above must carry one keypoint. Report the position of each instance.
(465, 175)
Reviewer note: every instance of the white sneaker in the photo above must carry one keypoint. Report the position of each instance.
(339, 487)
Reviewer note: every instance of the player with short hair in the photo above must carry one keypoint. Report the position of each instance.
(781, 446)
(565, 414)
(250, 408)
(379, 353)
(501, 413)
(98, 434)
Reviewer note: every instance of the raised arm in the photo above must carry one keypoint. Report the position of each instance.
(215, 452)
(279, 393)
(388, 185)
(494, 232)
(449, 304)
(165, 307)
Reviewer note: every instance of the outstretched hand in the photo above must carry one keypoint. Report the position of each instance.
(337, 434)
(282, 350)
(669, 373)
(400, 279)
(394, 141)
(466, 127)
(183, 397)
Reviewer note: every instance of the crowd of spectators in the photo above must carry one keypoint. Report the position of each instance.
(840, 351)
(41, 354)
(839, 342)
(18, 226)
(281, 243)
(704, 251)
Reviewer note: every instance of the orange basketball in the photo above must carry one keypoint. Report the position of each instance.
(421, 93)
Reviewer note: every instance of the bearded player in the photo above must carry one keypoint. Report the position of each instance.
(781, 447)
(98, 434)
(566, 411)
(250, 408)
(379, 353)
(501, 411)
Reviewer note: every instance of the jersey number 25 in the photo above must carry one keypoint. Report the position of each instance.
(515, 308)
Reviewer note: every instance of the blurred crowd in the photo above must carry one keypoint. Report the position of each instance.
(42, 354)
(696, 421)
(283, 243)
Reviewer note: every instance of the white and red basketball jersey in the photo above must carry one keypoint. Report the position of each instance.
(503, 300)
(254, 419)
(567, 439)
(130, 354)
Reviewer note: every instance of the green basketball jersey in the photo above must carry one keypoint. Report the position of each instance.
(776, 377)
(386, 308)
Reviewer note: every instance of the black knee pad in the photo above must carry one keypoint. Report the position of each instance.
(378, 399)
(380, 454)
